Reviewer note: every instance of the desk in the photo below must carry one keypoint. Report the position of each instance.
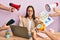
(2, 36)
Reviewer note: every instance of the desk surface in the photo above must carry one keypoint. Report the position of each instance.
(12, 38)
(2, 36)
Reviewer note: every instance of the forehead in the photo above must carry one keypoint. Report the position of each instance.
(30, 8)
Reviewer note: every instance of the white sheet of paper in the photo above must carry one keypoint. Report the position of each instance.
(46, 19)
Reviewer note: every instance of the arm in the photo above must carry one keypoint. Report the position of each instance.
(56, 10)
(37, 37)
(55, 14)
(20, 20)
(6, 8)
(52, 36)
(4, 27)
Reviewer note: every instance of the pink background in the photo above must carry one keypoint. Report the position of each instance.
(38, 5)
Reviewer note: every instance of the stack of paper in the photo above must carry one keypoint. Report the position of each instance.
(47, 20)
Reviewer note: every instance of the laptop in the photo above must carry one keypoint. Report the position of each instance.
(19, 31)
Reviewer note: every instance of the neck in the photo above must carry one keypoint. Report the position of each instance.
(30, 17)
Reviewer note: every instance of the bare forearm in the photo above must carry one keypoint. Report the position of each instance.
(3, 28)
(52, 36)
(4, 7)
(56, 10)
(54, 15)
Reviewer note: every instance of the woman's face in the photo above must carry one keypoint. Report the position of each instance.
(30, 12)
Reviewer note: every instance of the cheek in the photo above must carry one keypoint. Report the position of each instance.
(31, 13)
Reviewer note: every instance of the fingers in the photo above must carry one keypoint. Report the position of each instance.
(54, 9)
(4, 27)
(20, 17)
(12, 9)
(34, 36)
(52, 15)
(34, 29)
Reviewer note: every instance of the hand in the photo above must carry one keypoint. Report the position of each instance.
(20, 17)
(38, 16)
(54, 9)
(47, 31)
(11, 9)
(33, 29)
(51, 15)
(5, 26)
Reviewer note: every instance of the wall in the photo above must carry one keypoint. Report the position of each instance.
(38, 5)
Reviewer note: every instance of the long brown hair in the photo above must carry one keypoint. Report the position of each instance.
(33, 16)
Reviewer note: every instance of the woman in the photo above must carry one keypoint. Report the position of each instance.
(28, 20)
